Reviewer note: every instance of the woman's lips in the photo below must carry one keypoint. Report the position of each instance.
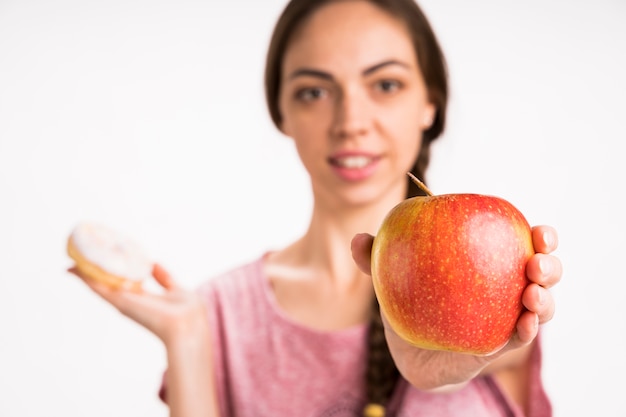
(354, 167)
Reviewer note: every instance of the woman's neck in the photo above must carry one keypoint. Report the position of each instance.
(325, 247)
(315, 280)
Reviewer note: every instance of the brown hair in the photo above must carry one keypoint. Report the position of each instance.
(381, 374)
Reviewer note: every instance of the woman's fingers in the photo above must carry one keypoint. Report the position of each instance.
(539, 300)
(545, 270)
(527, 330)
(104, 291)
(164, 278)
(96, 286)
(545, 239)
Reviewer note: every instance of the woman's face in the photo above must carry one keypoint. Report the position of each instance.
(354, 101)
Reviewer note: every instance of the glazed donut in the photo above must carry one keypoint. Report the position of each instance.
(105, 256)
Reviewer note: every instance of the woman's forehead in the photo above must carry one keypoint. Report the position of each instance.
(349, 35)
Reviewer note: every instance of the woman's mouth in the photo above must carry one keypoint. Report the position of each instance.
(354, 162)
(352, 167)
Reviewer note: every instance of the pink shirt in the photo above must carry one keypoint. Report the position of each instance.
(269, 365)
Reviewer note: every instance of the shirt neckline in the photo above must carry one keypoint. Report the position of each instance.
(281, 316)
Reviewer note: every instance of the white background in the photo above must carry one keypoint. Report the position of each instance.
(149, 116)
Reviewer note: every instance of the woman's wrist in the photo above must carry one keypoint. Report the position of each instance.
(186, 328)
(190, 374)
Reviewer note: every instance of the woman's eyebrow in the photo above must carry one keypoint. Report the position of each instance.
(311, 73)
(383, 64)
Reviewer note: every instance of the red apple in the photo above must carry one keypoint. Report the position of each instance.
(449, 271)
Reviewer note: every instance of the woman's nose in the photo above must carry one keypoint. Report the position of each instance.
(352, 117)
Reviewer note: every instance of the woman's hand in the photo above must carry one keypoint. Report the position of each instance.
(430, 369)
(171, 314)
(178, 318)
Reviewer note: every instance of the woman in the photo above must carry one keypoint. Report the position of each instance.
(360, 86)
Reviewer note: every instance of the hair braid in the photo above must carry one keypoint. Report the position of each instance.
(381, 374)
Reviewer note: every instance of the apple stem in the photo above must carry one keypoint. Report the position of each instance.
(420, 184)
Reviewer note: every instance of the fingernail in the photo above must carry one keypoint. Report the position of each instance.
(540, 295)
(546, 266)
(548, 239)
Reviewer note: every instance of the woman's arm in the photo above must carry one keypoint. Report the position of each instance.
(190, 376)
(177, 317)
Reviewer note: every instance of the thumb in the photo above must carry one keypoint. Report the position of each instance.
(163, 277)
(362, 251)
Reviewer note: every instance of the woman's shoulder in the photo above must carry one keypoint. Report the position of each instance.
(242, 277)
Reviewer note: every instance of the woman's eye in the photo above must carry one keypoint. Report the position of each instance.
(388, 86)
(310, 94)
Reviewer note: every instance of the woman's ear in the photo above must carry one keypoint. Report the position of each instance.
(284, 128)
(430, 111)
(281, 127)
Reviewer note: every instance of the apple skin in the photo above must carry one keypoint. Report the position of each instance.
(449, 271)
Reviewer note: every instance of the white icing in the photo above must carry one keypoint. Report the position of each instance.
(111, 251)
